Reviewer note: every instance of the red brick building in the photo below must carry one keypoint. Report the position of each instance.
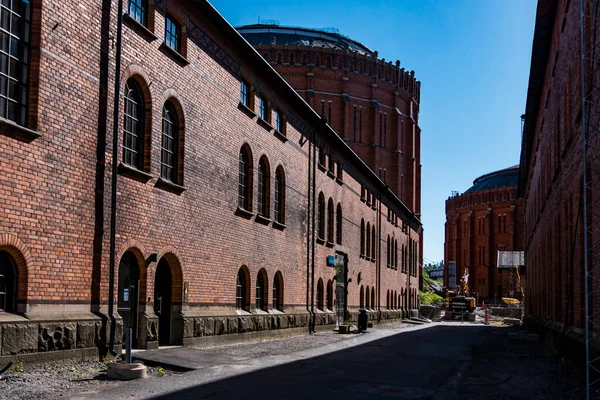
(485, 219)
(551, 180)
(239, 210)
(372, 104)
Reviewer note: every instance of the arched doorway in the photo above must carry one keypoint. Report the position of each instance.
(8, 283)
(163, 290)
(128, 303)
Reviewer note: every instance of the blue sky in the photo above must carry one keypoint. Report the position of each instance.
(472, 58)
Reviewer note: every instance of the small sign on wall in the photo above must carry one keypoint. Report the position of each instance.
(125, 294)
(330, 260)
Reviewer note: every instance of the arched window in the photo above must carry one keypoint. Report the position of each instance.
(360, 67)
(264, 187)
(362, 297)
(395, 300)
(242, 290)
(278, 292)
(328, 62)
(373, 305)
(245, 180)
(330, 220)
(169, 144)
(280, 195)
(340, 65)
(388, 250)
(8, 283)
(261, 290)
(367, 298)
(133, 126)
(278, 58)
(396, 254)
(329, 295)
(351, 67)
(317, 60)
(387, 300)
(373, 243)
(362, 237)
(368, 235)
(321, 217)
(338, 228)
(292, 59)
(320, 294)
(304, 59)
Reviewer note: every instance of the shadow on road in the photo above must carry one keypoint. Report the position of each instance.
(441, 362)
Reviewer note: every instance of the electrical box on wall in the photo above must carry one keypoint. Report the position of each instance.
(330, 260)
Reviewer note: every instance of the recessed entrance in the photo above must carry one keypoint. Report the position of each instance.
(8, 283)
(129, 284)
(163, 286)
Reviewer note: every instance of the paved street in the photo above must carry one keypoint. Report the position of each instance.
(434, 361)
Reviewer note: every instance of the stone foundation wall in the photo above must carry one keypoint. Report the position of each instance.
(37, 341)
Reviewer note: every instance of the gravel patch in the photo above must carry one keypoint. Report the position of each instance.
(60, 379)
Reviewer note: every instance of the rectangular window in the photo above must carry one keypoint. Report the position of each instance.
(138, 11)
(322, 108)
(329, 113)
(354, 129)
(278, 121)
(263, 109)
(244, 98)
(360, 124)
(173, 34)
(384, 129)
(380, 128)
(339, 170)
(14, 59)
(331, 165)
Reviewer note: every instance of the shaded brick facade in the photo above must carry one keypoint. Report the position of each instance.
(56, 185)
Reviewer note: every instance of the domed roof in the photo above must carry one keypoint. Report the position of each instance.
(258, 34)
(504, 178)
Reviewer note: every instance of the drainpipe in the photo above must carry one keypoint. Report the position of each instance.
(308, 233)
(378, 277)
(113, 194)
(312, 274)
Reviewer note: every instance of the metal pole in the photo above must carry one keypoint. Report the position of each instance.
(128, 345)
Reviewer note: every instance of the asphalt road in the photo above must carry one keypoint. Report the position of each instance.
(436, 361)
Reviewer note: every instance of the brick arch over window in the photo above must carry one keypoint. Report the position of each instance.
(172, 97)
(21, 256)
(133, 77)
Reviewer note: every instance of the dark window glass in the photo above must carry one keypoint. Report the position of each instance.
(278, 58)
(133, 125)
(368, 235)
(292, 59)
(329, 113)
(330, 221)
(169, 144)
(328, 62)
(331, 163)
(338, 228)
(278, 121)
(138, 11)
(321, 217)
(320, 295)
(322, 156)
(263, 189)
(263, 109)
(173, 34)
(279, 196)
(260, 284)
(278, 292)
(362, 237)
(14, 59)
(240, 295)
(374, 243)
(243, 199)
(317, 61)
(303, 59)
(361, 303)
(367, 298)
(329, 296)
(8, 283)
(244, 98)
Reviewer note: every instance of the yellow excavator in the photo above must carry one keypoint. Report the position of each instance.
(459, 304)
